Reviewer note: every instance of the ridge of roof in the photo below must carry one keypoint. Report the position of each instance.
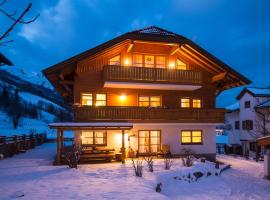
(254, 91)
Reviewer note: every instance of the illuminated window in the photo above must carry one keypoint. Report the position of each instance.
(115, 60)
(185, 103)
(94, 138)
(101, 100)
(180, 65)
(152, 101)
(196, 103)
(87, 99)
(149, 61)
(160, 62)
(149, 141)
(191, 137)
(137, 60)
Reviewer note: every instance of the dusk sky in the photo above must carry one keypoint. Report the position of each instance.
(237, 32)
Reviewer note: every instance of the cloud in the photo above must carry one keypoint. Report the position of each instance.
(139, 23)
(53, 25)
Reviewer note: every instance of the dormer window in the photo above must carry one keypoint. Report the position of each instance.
(181, 65)
(115, 60)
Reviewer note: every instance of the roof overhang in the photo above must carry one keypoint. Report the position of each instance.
(92, 125)
(264, 140)
(4, 60)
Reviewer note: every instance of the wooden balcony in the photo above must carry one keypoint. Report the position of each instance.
(151, 75)
(144, 114)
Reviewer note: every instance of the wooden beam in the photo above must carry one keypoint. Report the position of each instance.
(200, 59)
(219, 77)
(67, 82)
(58, 151)
(195, 61)
(123, 150)
(174, 50)
(130, 46)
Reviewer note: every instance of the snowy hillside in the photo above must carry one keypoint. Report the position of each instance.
(40, 104)
(30, 76)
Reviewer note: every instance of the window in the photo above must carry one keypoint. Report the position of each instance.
(180, 65)
(247, 125)
(160, 62)
(191, 137)
(196, 103)
(101, 100)
(149, 61)
(247, 104)
(94, 138)
(185, 103)
(149, 101)
(87, 99)
(236, 125)
(115, 60)
(149, 141)
(137, 60)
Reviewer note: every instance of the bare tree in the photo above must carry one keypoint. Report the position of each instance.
(262, 123)
(16, 19)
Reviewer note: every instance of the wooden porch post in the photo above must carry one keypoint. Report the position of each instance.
(58, 152)
(123, 150)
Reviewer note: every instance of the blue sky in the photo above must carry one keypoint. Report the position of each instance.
(237, 32)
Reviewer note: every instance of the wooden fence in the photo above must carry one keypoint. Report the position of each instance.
(10, 146)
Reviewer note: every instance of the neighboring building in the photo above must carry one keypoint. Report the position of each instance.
(221, 140)
(145, 91)
(245, 120)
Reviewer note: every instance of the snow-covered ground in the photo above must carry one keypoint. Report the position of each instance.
(32, 175)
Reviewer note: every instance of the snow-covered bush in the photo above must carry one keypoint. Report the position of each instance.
(150, 162)
(168, 162)
(137, 166)
(188, 157)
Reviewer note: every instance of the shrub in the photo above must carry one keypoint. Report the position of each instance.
(73, 157)
(188, 157)
(137, 166)
(168, 162)
(150, 163)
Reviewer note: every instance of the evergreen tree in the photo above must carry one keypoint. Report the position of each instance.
(16, 109)
(5, 98)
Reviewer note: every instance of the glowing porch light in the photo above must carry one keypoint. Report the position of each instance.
(126, 62)
(123, 97)
(171, 65)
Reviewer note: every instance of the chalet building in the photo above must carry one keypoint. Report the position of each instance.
(146, 91)
(248, 120)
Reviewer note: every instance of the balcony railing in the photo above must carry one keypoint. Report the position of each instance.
(143, 74)
(88, 113)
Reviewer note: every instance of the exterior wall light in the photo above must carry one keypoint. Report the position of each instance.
(172, 65)
(127, 62)
(122, 97)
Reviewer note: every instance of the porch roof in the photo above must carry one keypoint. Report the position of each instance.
(264, 140)
(91, 125)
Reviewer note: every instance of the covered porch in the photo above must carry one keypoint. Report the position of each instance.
(90, 142)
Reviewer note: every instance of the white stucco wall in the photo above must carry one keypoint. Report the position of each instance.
(170, 135)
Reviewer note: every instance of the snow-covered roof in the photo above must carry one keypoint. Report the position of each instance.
(255, 91)
(154, 30)
(107, 125)
(264, 104)
(233, 107)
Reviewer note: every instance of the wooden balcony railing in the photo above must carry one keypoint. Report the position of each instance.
(142, 74)
(88, 113)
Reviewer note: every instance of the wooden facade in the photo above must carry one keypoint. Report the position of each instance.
(148, 63)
